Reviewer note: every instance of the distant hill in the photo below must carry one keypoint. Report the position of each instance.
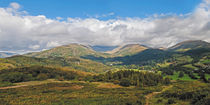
(128, 54)
(71, 50)
(129, 49)
(6, 54)
(189, 45)
(103, 48)
(71, 62)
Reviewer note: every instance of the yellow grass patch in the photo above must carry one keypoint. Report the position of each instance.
(107, 85)
(74, 87)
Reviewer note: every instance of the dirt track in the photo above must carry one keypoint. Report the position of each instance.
(149, 96)
(10, 87)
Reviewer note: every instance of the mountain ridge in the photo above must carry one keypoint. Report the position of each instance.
(71, 50)
(129, 49)
(189, 45)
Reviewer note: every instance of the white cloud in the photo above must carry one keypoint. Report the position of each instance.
(31, 33)
(34, 47)
(101, 16)
(53, 44)
(14, 5)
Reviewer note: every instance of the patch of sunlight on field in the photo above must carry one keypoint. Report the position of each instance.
(176, 77)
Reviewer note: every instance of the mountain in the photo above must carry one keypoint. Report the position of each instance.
(146, 57)
(129, 49)
(71, 50)
(6, 54)
(103, 48)
(189, 45)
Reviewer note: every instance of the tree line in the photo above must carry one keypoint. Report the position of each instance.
(131, 77)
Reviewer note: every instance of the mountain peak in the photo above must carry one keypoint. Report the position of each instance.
(71, 50)
(72, 45)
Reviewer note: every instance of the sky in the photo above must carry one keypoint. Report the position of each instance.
(98, 8)
(35, 25)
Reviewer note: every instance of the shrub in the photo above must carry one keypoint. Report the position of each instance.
(181, 74)
(42, 76)
(167, 80)
(159, 101)
(171, 101)
(15, 77)
(116, 82)
(60, 78)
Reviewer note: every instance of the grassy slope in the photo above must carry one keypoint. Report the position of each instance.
(72, 50)
(51, 92)
(189, 45)
(130, 49)
(75, 93)
(181, 88)
(72, 63)
(176, 77)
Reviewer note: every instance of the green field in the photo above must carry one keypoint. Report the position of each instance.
(207, 76)
(190, 66)
(176, 77)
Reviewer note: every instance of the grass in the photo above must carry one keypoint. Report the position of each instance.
(52, 92)
(176, 77)
(5, 84)
(31, 83)
(205, 61)
(207, 76)
(196, 75)
(190, 66)
(179, 90)
(162, 65)
(183, 50)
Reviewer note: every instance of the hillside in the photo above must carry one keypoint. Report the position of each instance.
(146, 57)
(72, 63)
(71, 50)
(129, 49)
(189, 45)
(141, 78)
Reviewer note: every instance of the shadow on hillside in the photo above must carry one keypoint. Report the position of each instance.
(143, 58)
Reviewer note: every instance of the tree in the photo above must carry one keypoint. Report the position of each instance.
(202, 77)
(171, 101)
(125, 82)
(15, 77)
(167, 80)
(181, 74)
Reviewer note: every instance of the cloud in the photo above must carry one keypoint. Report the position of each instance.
(97, 16)
(14, 5)
(52, 44)
(34, 47)
(23, 33)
